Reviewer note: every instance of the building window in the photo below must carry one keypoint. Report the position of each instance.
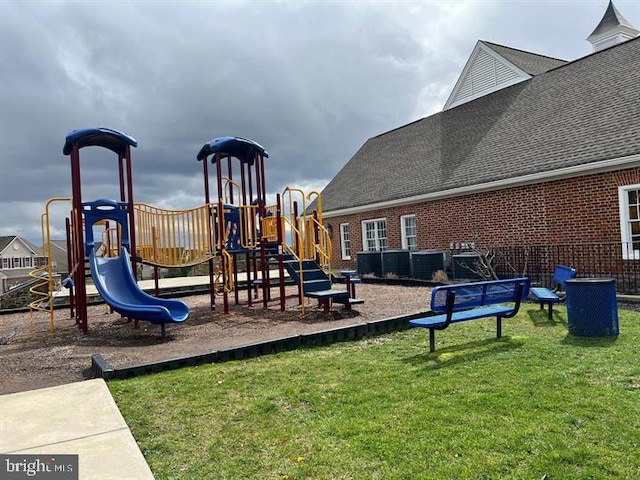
(345, 242)
(26, 262)
(629, 197)
(5, 263)
(17, 262)
(374, 235)
(409, 232)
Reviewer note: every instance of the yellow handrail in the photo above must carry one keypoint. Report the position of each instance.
(288, 249)
(229, 284)
(111, 240)
(229, 186)
(41, 303)
(323, 247)
(318, 203)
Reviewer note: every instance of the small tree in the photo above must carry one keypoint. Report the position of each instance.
(485, 265)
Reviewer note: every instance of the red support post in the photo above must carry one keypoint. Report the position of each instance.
(280, 252)
(316, 237)
(211, 227)
(72, 299)
(299, 251)
(132, 221)
(76, 223)
(121, 178)
(225, 296)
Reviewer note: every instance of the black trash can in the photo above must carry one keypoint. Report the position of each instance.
(592, 308)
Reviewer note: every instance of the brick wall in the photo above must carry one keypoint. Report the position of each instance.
(576, 210)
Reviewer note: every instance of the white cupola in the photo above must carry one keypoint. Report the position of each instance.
(612, 29)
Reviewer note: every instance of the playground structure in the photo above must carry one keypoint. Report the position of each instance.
(236, 225)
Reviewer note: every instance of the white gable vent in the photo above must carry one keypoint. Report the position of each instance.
(484, 73)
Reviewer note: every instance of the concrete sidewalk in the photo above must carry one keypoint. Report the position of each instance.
(78, 418)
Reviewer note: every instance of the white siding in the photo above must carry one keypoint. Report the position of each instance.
(485, 72)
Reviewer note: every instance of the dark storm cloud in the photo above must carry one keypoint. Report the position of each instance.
(310, 81)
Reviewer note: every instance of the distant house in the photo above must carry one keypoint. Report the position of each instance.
(18, 257)
(59, 257)
(528, 150)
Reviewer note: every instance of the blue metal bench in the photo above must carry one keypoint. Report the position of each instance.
(546, 296)
(470, 301)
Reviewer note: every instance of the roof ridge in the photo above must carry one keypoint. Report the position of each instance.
(524, 51)
(405, 125)
(590, 54)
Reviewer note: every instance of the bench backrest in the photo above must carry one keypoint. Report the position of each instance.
(562, 273)
(479, 294)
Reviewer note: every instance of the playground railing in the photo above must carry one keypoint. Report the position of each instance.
(248, 226)
(269, 226)
(175, 238)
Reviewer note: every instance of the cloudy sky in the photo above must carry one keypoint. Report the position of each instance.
(310, 81)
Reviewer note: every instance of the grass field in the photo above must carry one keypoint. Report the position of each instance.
(536, 402)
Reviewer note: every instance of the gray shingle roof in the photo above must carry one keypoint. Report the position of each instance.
(583, 112)
(61, 244)
(6, 240)
(532, 63)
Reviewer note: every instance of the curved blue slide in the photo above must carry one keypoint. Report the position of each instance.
(114, 280)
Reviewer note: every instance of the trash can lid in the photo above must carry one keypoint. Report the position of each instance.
(590, 280)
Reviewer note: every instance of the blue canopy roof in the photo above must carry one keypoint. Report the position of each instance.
(241, 148)
(99, 137)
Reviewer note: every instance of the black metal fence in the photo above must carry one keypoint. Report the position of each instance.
(613, 260)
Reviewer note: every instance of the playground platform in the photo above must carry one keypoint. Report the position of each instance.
(175, 285)
(78, 418)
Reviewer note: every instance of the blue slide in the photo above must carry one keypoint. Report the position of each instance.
(114, 280)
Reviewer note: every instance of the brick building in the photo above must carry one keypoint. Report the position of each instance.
(528, 150)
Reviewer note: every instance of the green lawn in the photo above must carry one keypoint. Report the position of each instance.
(536, 402)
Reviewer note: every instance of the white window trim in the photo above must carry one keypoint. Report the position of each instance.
(342, 246)
(364, 233)
(403, 231)
(625, 233)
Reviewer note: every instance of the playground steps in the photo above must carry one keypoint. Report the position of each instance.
(314, 278)
(317, 284)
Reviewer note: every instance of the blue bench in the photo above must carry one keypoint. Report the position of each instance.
(546, 296)
(470, 301)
